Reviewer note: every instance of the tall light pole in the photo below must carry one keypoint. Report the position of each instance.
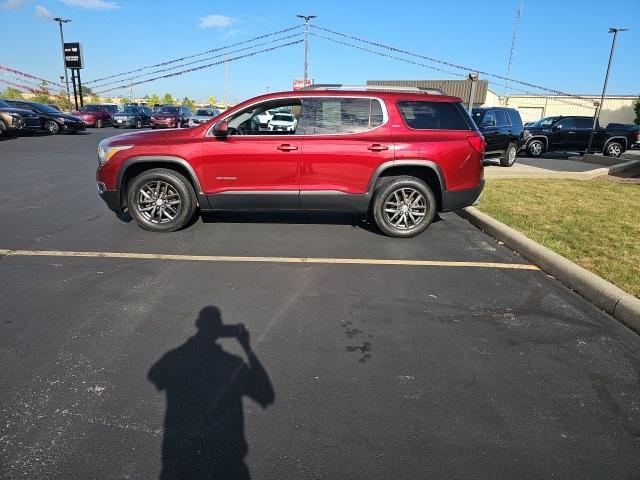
(306, 44)
(606, 80)
(64, 64)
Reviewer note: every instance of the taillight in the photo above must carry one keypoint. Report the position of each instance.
(476, 142)
(638, 136)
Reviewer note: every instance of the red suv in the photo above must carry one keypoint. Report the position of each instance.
(96, 115)
(402, 156)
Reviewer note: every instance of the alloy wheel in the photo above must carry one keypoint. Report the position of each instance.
(51, 127)
(405, 208)
(158, 201)
(614, 150)
(535, 148)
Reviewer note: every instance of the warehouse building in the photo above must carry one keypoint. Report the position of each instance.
(616, 108)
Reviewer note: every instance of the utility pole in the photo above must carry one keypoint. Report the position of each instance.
(473, 78)
(606, 80)
(306, 44)
(64, 63)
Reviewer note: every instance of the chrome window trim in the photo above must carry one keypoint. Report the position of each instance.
(385, 117)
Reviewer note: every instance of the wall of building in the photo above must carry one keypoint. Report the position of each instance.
(618, 109)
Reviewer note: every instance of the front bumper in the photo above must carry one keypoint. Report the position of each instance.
(456, 199)
(111, 198)
(122, 122)
(72, 127)
(168, 122)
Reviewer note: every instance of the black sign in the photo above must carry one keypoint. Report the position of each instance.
(72, 55)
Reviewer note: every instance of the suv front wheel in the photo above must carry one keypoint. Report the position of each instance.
(403, 207)
(161, 200)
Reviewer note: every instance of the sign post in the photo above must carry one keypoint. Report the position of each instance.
(73, 60)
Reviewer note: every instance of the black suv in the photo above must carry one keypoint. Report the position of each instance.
(503, 132)
(571, 134)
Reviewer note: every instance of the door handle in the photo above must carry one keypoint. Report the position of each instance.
(287, 148)
(376, 147)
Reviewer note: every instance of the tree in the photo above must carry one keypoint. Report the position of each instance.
(12, 93)
(636, 107)
(86, 91)
(42, 95)
(167, 99)
(187, 102)
(153, 100)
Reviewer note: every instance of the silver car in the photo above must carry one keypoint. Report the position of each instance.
(203, 115)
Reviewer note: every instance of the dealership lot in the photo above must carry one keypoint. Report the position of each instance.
(475, 365)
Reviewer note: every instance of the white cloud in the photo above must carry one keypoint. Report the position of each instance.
(216, 21)
(92, 4)
(43, 13)
(12, 4)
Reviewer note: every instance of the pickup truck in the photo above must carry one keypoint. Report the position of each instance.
(571, 134)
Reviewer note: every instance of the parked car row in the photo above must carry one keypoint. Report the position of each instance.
(21, 116)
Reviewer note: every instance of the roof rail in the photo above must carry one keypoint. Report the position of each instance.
(378, 88)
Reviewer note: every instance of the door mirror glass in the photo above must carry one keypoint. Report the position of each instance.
(221, 129)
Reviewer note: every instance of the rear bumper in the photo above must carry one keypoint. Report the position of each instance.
(456, 199)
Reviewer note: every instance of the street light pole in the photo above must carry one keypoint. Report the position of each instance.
(306, 44)
(606, 80)
(64, 64)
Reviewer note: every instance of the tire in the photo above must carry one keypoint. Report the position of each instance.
(99, 123)
(116, 126)
(175, 187)
(3, 129)
(510, 156)
(535, 148)
(153, 127)
(51, 127)
(394, 195)
(138, 123)
(178, 123)
(614, 149)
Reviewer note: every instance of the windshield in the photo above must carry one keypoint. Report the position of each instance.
(4, 104)
(129, 110)
(283, 117)
(544, 122)
(205, 113)
(168, 109)
(90, 108)
(477, 115)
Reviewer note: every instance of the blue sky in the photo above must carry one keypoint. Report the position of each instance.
(561, 44)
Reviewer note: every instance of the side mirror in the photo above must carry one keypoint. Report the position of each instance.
(221, 129)
(555, 128)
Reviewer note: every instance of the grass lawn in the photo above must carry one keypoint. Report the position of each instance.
(594, 223)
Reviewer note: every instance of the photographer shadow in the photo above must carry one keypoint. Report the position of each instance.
(204, 385)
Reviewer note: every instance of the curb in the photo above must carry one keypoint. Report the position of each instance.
(603, 294)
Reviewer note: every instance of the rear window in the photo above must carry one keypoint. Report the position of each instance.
(514, 116)
(422, 115)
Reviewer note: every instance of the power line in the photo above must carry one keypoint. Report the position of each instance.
(442, 62)
(162, 64)
(27, 75)
(200, 67)
(174, 67)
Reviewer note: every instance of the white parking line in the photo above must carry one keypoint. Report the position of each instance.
(224, 258)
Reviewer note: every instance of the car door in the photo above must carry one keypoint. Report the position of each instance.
(582, 128)
(252, 169)
(491, 132)
(563, 135)
(347, 138)
(504, 130)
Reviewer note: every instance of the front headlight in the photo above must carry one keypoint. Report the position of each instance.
(527, 134)
(61, 120)
(105, 152)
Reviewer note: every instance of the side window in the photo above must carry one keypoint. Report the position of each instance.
(257, 119)
(583, 123)
(423, 115)
(514, 116)
(501, 119)
(565, 124)
(489, 119)
(342, 115)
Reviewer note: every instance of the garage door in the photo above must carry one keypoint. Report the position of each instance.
(530, 114)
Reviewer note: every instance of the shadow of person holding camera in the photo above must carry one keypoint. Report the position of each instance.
(204, 421)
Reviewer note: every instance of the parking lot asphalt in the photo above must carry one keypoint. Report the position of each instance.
(118, 367)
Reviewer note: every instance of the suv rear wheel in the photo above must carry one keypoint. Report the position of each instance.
(403, 207)
(161, 200)
(614, 149)
(509, 156)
